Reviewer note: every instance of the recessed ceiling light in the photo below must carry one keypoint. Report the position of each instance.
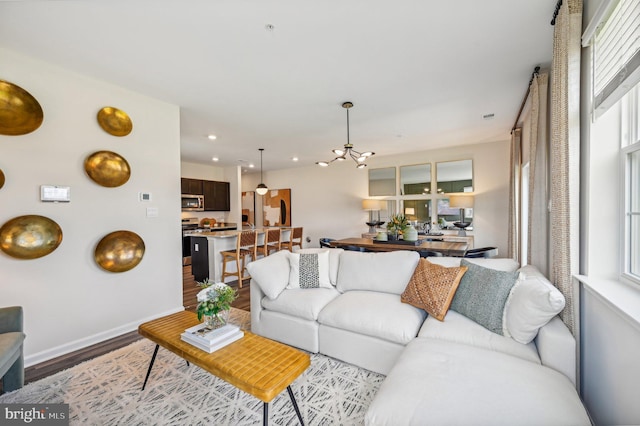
(251, 165)
(269, 27)
(212, 137)
(215, 159)
(294, 159)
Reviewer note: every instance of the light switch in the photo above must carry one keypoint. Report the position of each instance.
(152, 212)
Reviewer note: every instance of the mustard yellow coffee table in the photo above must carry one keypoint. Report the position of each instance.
(254, 364)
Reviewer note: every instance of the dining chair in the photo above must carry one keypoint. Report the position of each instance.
(295, 239)
(246, 245)
(429, 253)
(326, 242)
(272, 241)
(481, 252)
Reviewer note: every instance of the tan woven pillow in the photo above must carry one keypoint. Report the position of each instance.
(432, 288)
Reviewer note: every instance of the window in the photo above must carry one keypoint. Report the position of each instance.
(630, 153)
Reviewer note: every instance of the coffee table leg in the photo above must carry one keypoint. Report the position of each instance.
(153, 358)
(265, 414)
(295, 405)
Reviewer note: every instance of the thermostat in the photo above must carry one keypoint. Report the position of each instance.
(54, 193)
(145, 196)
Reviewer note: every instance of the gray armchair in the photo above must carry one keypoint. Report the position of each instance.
(11, 352)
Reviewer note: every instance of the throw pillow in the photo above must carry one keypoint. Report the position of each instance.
(334, 260)
(534, 301)
(482, 295)
(271, 273)
(432, 288)
(309, 270)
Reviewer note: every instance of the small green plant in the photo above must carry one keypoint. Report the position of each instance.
(214, 298)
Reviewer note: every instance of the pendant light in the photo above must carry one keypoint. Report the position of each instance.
(358, 157)
(261, 189)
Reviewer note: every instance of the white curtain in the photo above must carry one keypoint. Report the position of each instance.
(565, 154)
(538, 216)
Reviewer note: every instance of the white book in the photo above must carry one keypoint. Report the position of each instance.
(208, 336)
(188, 338)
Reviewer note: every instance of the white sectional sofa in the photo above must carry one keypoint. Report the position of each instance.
(454, 371)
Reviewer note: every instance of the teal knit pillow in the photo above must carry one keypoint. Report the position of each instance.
(482, 294)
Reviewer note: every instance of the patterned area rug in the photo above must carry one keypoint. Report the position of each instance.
(106, 391)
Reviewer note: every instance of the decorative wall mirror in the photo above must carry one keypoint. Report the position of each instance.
(418, 211)
(454, 176)
(382, 181)
(415, 180)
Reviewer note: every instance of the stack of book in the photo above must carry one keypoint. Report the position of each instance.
(210, 340)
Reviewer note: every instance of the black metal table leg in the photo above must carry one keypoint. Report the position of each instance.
(295, 404)
(265, 414)
(153, 358)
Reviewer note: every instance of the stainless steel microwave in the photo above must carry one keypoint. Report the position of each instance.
(192, 203)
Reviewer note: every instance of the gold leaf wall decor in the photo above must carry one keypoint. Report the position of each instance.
(119, 251)
(114, 121)
(107, 168)
(30, 236)
(20, 112)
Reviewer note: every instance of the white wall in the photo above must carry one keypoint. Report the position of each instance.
(327, 201)
(69, 301)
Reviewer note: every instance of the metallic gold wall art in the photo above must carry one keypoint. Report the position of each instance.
(20, 112)
(30, 237)
(107, 168)
(1, 179)
(114, 121)
(119, 251)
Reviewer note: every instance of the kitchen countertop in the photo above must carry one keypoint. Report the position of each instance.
(224, 234)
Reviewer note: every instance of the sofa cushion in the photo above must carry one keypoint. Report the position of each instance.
(309, 270)
(482, 295)
(375, 314)
(498, 263)
(458, 328)
(10, 349)
(387, 272)
(301, 303)
(432, 287)
(532, 304)
(334, 260)
(438, 382)
(271, 273)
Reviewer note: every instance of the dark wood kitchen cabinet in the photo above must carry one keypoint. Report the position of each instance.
(191, 186)
(216, 196)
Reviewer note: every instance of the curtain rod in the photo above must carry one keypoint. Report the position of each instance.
(555, 13)
(535, 72)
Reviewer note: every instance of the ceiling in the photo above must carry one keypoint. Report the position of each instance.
(273, 74)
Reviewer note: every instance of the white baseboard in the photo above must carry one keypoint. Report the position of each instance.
(75, 345)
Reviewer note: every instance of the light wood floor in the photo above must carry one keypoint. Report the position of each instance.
(44, 369)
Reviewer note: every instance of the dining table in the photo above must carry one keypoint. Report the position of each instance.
(447, 248)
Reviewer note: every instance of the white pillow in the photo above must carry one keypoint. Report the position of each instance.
(334, 260)
(533, 302)
(271, 273)
(309, 270)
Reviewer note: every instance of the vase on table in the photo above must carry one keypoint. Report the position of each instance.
(216, 320)
(410, 233)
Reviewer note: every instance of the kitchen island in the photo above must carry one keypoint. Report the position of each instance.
(206, 260)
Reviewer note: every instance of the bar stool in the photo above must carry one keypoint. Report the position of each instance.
(272, 241)
(295, 239)
(246, 245)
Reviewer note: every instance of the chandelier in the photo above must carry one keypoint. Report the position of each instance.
(358, 157)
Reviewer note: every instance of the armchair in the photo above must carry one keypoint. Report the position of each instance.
(11, 348)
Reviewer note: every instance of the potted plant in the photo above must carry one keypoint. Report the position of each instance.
(396, 225)
(214, 302)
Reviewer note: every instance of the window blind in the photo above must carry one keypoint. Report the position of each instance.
(615, 38)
